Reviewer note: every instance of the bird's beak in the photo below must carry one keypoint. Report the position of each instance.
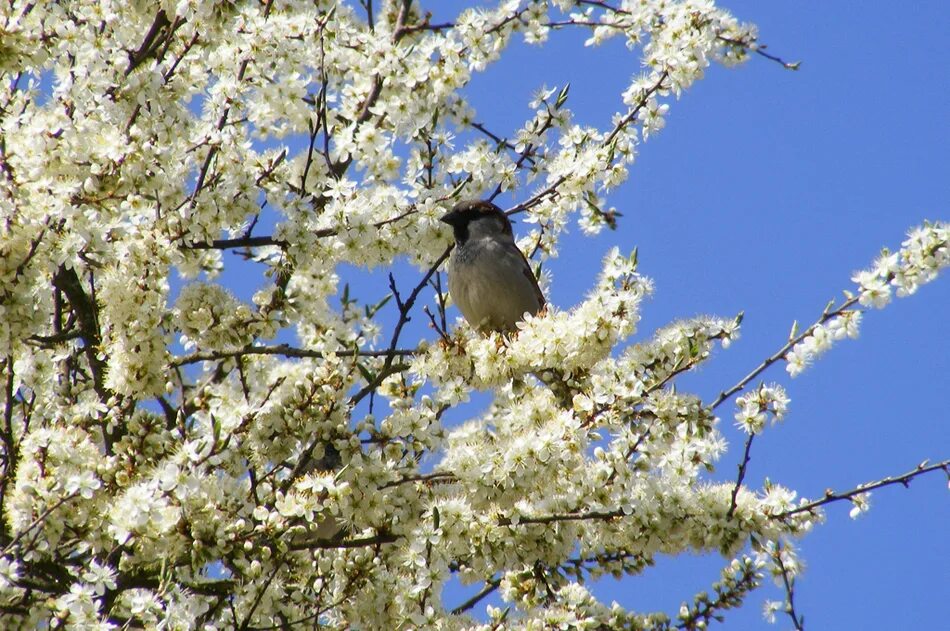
(450, 217)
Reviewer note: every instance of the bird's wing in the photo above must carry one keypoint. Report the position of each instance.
(526, 269)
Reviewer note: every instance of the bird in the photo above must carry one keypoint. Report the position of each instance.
(489, 277)
(324, 526)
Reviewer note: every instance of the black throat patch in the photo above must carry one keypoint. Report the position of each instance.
(460, 230)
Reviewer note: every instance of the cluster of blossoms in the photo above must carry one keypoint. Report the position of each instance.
(784, 565)
(819, 339)
(165, 463)
(756, 407)
(923, 254)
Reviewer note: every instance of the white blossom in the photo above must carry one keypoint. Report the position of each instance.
(770, 609)
(860, 504)
(768, 401)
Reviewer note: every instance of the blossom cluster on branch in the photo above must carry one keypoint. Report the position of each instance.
(275, 486)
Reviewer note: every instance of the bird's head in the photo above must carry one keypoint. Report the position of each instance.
(476, 218)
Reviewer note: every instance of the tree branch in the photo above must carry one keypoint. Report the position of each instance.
(285, 350)
(538, 197)
(405, 307)
(729, 595)
(558, 517)
(741, 475)
(759, 49)
(490, 586)
(67, 281)
(330, 544)
(788, 583)
(780, 353)
(903, 479)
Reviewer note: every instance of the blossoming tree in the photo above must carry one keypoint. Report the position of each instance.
(173, 456)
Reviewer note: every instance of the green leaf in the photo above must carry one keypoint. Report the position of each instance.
(562, 96)
(367, 375)
(374, 309)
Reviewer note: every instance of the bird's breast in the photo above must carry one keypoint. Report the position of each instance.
(489, 284)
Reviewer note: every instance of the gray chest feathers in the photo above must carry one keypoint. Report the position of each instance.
(492, 285)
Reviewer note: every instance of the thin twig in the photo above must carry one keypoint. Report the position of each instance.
(746, 457)
(286, 350)
(438, 476)
(330, 544)
(538, 197)
(558, 517)
(903, 479)
(435, 325)
(788, 582)
(780, 353)
(405, 307)
(490, 586)
(39, 520)
(760, 50)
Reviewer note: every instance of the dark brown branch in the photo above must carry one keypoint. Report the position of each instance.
(330, 544)
(788, 582)
(11, 456)
(56, 338)
(443, 335)
(306, 462)
(605, 6)
(34, 246)
(526, 154)
(429, 477)
(286, 350)
(727, 597)
(490, 586)
(67, 281)
(153, 39)
(263, 241)
(405, 307)
(424, 25)
(278, 565)
(538, 197)
(496, 138)
(827, 315)
(38, 521)
(376, 89)
(368, 5)
(903, 479)
(222, 122)
(746, 457)
(760, 50)
(559, 517)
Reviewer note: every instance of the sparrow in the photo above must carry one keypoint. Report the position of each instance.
(323, 526)
(489, 277)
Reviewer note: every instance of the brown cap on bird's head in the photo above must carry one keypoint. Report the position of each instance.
(468, 210)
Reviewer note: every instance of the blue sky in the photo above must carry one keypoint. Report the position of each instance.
(766, 190)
